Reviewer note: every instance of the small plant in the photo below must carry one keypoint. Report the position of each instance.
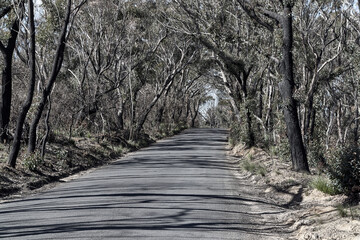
(32, 161)
(62, 154)
(281, 150)
(250, 167)
(342, 210)
(324, 185)
(116, 151)
(354, 213)
(251, 157)
(262, 171)
(254, 168)
(348, 211)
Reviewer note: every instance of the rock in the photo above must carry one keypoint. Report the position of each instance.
(290, 221)
(304, 222)
(255, 178)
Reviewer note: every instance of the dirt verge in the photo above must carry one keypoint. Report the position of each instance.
(64, 160)
(310, 214)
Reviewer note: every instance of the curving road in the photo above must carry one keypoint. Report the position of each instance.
(179, 188)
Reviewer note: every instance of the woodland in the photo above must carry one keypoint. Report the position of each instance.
(281, 75)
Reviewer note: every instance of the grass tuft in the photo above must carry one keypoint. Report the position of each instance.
(324, 185)
(342, 210)
(254, 168)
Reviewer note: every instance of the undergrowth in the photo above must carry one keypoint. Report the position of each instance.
(324, 185)
(254, 168)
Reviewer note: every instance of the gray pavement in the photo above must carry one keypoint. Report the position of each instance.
(179, 188)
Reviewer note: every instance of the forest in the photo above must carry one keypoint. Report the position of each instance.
(281, 75)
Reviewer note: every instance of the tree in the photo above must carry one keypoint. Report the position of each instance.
(287, 85)
(7, 53)
(57, 63)
(26, 106)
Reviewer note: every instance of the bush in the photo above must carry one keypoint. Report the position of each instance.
(281, 150)
(344, 169)
(324, 185)
(32, 162)
(316, 155)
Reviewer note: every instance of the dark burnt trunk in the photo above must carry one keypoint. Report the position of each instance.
(6, 92)
(14, 152)
(287, 86)
(6, 79)
(160, 114)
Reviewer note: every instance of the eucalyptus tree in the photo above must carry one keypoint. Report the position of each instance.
(340, 96)
(282, 14)
(27, 104)
(97, 49)
(320, 30)
(11, 14)
(58, 58)
(166, 68)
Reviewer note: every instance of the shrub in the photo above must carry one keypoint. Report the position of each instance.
(344, 169)
(32, 162)
(281, 150)
(316, 155)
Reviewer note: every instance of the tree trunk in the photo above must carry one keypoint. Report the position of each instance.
(47, 132)
(160, 114)
(356, 129)
(250, 132)
(120, 119)
(120, 112)
(298, 153)
(14, 152)
(59, 56)
(6, 92)
(6, 80)
(196, 112)
(144, 116)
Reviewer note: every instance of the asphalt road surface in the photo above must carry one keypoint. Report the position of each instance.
(179, 188)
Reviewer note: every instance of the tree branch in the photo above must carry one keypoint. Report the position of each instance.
(5, 11)
(250, 11)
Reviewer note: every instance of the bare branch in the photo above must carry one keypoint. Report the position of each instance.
(250, 11)
(5, 11)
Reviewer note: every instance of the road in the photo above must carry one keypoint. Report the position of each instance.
(179, 188)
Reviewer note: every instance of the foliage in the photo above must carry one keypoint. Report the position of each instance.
(281, 150)
(32, 161)
(235, 134)
(316, 155)
(344, 169)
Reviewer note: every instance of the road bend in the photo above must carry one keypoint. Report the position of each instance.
(179, 188)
